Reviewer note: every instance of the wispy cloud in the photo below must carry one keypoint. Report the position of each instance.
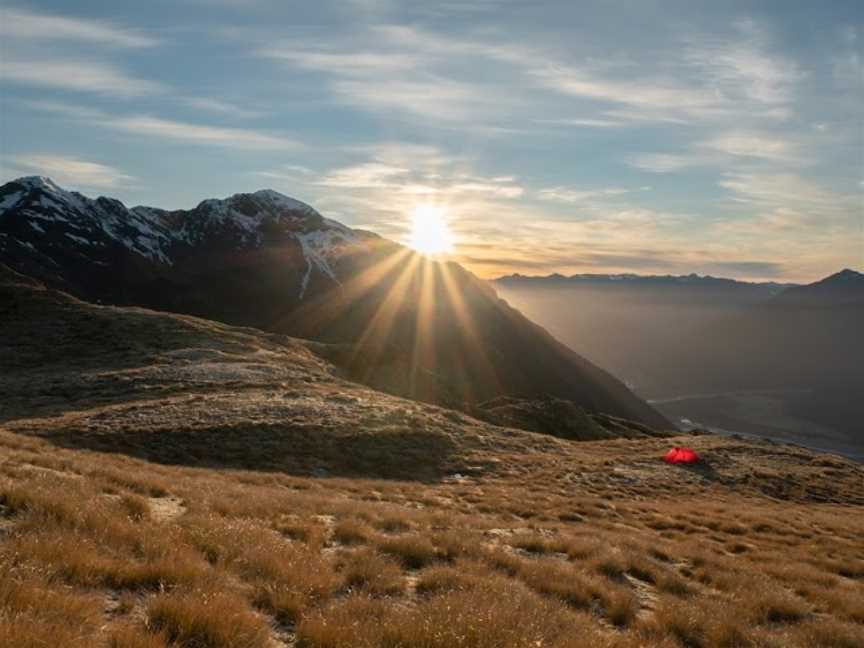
(240, 138)
(754, 145)
(401, 67)
(80, 76)
(664, 162)
(33, 26)
(347, 63)
(419, 179)
(194, 133)
(220, 107)
(668, 96)
(575, 196)
(433, 97)
(584, 122)
(788, 190)
(71, 171)
(367, 175)
(723, 150)
(742, 67)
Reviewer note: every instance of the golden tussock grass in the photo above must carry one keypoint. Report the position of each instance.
(89, 557)
(209, 619)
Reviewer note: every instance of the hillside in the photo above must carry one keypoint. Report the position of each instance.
(171, 481)
(394, 319)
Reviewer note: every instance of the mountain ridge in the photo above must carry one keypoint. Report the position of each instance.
(407, 324)
(631, 278)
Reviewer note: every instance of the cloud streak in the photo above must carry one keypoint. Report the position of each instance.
(21, 24)
(79, 76)
(72, 171)
(173, 130)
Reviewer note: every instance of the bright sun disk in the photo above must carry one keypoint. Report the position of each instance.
(430, 233)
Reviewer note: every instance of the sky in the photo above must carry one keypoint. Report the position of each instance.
(651, 137)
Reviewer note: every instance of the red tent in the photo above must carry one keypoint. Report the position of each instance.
(681, 456)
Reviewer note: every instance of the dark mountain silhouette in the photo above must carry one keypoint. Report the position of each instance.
(391, 318)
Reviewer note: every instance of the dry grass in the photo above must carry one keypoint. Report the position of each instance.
(255, 559)
(350, 532)
(413, 551)
(208, 619)
(369, 571)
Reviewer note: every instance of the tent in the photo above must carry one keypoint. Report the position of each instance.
(681, 456)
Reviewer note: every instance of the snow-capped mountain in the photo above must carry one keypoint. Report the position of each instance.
(57, 234)
(389, 317)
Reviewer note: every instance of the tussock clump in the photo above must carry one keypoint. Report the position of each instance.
(463, 576)
(454, 544)
(132, 636)
(392, 524)
(208, 619)
(477, 619)
(829, 633)
(714, 624)
(371, 572)
(414, 551)
(34, 615)
(531, 543)
(351, 532)
(580, 589)
(136, 506)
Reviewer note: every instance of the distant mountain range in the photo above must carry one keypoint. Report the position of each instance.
(389, 317)
(671, 281)
(672, 336)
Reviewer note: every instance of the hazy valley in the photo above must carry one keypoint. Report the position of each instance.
(774, 360)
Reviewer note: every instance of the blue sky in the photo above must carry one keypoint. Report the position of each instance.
(649, 137)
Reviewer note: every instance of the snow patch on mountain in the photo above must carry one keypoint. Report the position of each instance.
(78, 239)
(9, 201)
(241, 221)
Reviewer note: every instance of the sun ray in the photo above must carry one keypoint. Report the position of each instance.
(423, 355)
(472, 346)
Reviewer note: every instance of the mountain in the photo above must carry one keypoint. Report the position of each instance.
(782, 361)
(389, 317)
(807, 339)
(803, 337)
(623, 281)
(212, 260)
(844, 288)
(631, 324)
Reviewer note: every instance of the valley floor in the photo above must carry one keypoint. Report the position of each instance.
(767, 414)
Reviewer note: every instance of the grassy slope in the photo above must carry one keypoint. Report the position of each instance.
(169, 481)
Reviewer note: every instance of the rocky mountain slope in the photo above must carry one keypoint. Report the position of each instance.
(393, 319)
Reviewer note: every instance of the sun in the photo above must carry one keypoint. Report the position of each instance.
(430, 233)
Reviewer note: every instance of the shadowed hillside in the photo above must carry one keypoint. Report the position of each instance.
(414, 327)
